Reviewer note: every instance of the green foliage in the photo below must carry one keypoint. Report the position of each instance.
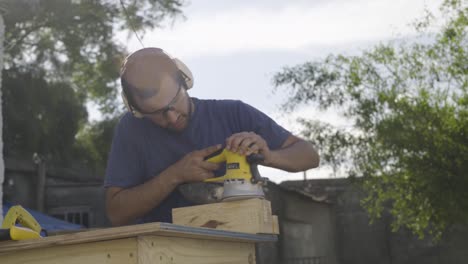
(75, 41)
(65, 52)
(94, 142)
(407, 105)
(41, 117)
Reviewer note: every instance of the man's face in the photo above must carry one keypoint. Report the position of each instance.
(169, 106)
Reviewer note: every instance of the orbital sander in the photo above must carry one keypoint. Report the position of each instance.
(241, 181)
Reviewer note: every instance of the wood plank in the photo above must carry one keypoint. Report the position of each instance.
(158, 250)
(110, 252)
(250, 216)
(275, 225)
(164, 229)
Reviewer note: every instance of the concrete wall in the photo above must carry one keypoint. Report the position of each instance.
(66, 192)
(308, 229)
(307, 233)
(360, 242)
(2, 165)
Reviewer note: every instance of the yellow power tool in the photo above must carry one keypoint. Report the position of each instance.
(29, 229)
(242, 179)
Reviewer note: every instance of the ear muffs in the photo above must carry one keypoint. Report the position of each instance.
(185, 72)
(129, 107)
(186, 76)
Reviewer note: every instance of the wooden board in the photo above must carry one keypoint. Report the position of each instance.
(111, 252)
(138, 250)
(163, 229)
(275, 225)
(158, 250)
(250, 216)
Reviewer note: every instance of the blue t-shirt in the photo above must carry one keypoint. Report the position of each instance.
(141, 150)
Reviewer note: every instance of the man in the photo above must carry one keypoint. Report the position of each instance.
(164, 139)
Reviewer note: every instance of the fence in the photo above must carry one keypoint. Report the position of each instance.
(308, 260)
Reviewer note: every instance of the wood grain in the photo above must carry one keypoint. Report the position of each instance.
(158, 250)
(163, 229)
(118, 251)
(249, 216)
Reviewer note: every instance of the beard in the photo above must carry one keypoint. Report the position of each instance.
(180, 125)
(183, 120)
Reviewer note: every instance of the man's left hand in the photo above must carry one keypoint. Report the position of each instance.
(246, 143)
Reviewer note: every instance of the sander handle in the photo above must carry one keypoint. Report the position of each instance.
(254, 160)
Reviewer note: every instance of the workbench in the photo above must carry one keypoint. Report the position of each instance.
(137, 244)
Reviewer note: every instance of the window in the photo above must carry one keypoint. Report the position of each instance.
(80, 215)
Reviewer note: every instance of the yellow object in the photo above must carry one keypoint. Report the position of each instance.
(30, 227)
(23, 233)
(237, 166)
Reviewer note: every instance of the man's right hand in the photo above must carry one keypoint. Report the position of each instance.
(193, 167)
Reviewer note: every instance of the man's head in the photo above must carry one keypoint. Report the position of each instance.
(154, 86)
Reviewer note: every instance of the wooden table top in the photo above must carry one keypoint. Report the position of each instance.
(156, 229)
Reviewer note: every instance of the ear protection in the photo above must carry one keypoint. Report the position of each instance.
(183, 72)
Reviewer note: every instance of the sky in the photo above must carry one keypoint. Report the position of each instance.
(234, 47)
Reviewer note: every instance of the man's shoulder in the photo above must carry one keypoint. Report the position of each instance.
(221, 103)
(127, 120)
(131, 124)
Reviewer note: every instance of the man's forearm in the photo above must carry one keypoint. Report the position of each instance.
(299, 156)
(126, 205)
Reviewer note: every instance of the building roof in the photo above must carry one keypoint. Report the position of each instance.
(301, 192)
(320, 190)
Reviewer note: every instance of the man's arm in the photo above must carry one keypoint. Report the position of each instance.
(294, 155)
(124, 205)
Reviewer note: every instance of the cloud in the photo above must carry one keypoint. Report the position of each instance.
(233, 47)
(291, 27)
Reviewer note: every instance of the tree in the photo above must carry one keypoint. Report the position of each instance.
(93, 142)
(60, 55)
(408, 108)
(44, 115)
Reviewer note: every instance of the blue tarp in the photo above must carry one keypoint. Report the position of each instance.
(48, 223)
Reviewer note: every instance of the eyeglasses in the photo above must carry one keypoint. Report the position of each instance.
(169, 107)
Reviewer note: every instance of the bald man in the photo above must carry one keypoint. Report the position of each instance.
(164, 138)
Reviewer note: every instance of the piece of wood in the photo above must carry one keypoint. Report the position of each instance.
(118, 251)
(147, 249)
(156, 249)
(275, 225)
(249, 216)
(163, 229)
